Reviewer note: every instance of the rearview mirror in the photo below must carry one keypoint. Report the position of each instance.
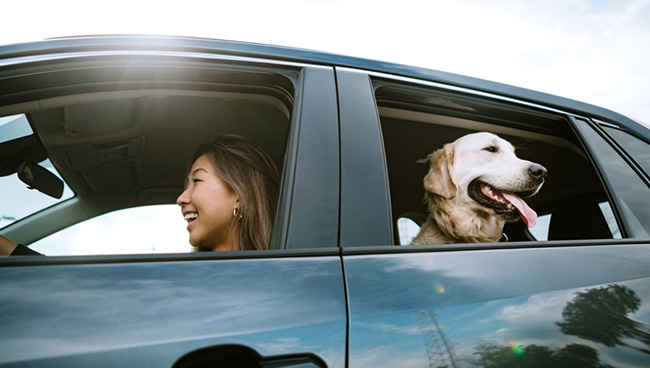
(40, 178)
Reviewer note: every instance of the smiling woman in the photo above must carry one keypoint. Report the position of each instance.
(230, 198)
(120, 137)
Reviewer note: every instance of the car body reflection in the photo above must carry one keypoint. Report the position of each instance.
(78, 313)
(455, 310)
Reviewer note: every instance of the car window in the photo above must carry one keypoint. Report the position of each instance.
(638, 149)
(408, 229)
(124, 152)
(31, 201)
(139, 230)
(417, 119)
(12, 129)
(626, 185)
(540, 230)
(14, 126)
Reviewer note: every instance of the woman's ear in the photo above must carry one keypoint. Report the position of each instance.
(438, 180)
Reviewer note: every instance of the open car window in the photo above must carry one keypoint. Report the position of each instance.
(416, 120)
(122, 143)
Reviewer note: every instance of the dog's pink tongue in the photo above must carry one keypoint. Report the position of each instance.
(526, 213)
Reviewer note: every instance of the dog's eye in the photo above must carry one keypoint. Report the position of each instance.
(490, 149)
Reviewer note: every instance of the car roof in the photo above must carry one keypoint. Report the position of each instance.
(104, 43)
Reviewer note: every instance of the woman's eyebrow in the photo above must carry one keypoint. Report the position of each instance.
(197, 170)
(187, 180)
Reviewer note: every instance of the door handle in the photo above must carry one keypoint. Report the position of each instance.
(240, 356)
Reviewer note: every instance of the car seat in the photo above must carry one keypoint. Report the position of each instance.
(578, 221)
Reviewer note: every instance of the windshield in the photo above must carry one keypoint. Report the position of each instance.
(18, 200)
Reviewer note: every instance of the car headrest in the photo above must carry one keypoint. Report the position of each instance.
(581, 221)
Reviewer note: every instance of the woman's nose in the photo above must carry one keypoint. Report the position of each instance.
(184, 198)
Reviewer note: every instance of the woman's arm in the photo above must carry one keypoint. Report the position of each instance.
(7, 246)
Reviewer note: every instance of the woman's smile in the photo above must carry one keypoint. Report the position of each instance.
(208, 195)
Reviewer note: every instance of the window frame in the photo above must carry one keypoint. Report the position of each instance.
(585, 127)
(313, 133)
(517, 105)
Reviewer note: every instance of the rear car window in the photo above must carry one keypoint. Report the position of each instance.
(417, 120)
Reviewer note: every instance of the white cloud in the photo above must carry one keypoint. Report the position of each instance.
(386, 356)
(595, 52)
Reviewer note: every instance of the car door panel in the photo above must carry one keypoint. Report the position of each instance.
(481, 307)
(152, 313)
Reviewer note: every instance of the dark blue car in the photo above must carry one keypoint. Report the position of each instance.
(116, 118)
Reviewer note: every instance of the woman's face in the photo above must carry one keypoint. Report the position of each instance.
(207, 206)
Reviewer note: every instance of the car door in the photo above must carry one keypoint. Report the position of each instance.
(527, 302)
(281, 307)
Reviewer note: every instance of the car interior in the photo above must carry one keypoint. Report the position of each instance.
(130, 146)
(416, 121)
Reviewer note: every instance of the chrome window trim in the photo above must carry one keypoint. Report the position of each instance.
(24, 60)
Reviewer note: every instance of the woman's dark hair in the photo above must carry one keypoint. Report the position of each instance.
(249, 173)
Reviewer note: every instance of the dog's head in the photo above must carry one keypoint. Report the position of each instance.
(482, 172)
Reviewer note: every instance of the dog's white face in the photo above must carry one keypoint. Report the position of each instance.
(482, 172)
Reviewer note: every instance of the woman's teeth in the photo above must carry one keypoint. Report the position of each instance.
(191, 217)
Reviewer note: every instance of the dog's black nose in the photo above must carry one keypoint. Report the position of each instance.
(537, 171)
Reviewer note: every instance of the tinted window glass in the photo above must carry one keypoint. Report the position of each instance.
(630, 190)
(540, 230)
(638, 149)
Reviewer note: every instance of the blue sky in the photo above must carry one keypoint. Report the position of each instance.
(591, 51)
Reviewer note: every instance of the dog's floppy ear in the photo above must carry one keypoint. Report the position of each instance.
(438, 180)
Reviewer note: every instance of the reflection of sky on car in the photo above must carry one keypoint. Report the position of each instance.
(382, 341)
(500, 297)
(175, 307)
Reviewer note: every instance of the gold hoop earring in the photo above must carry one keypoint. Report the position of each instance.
(235, 211)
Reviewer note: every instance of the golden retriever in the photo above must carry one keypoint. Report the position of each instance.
(473, 187)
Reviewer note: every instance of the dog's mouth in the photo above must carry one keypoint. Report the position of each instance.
(509, 206)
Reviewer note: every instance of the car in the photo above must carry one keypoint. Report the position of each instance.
(102, 128)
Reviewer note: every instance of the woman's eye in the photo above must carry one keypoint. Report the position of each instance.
(490, 149)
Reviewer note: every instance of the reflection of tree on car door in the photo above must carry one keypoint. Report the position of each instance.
(599, 315)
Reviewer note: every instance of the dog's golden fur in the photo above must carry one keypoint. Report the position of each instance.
(455, 217)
